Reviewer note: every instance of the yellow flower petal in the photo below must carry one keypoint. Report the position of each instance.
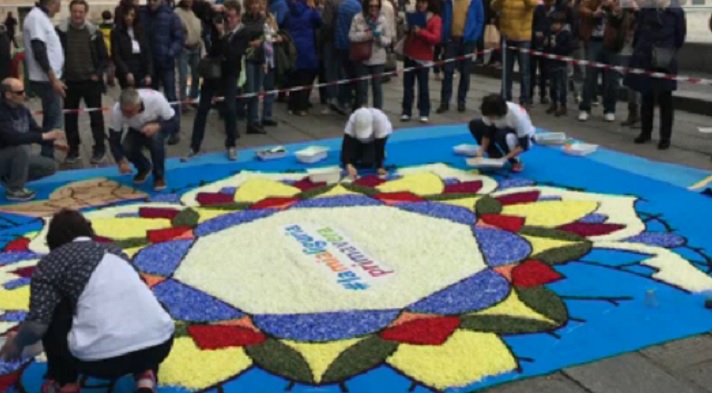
(257, 189)
(466, 357)
(127, 227)
(551, 213)
(209, 214)
(419, 183)
(336, 191)
(541, 244)
(319, 356)
(16, 299)
(467, 203)
(513, 307)
(190, 367)
(132, 251)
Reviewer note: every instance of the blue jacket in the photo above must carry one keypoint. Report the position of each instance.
(279, 9)
(165, 33)
(301, 24)
(473, 26)
(17, 126)
(347, 10)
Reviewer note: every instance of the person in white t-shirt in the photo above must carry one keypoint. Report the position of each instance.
(92, 312)
(149, 119)
(504, 131)
(364, 144)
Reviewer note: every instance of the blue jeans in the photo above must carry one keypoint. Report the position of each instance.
(333, 71)
(133, 145)
(596, 52)
(457, 48)
(376, 85)
(524, 60)
(268, 100)
(52, 109)
(558, 83)
(254, 79)
(409, 79)
(188, 58)
(166, 76)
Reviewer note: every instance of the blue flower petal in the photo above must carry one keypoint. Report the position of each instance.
(14, 316)
(515, 182)
(185, 303)
(162, 258)
(337, 201)
(456, 214)
(13, 257)
(594, 218)
(501, 247)
(330, 326)
(471, 294)
(232, 219)
(20, 282)
(660, 239)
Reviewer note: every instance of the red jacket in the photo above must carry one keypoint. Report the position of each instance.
(421, 46)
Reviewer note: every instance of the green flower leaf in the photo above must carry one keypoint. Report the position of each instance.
(229, 206)
(369, 191)
(545, 302)
(504, 324)
(131, 242)
(314, 192)
(488, 205)
(448, 197)
(281, 359)
(551, 233)
(181, 329)
(565, 253)
(186, 218)
(361, 357)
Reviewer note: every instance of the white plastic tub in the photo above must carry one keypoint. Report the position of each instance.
(466, 150)
(328, 175)
(485, 162)
(580, 149)
(312, 154)
(272, 154)
(551, 138)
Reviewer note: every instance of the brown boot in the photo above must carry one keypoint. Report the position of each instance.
(562, 111)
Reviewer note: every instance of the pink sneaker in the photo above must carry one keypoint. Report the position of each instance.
(51, 386)
(145, 382)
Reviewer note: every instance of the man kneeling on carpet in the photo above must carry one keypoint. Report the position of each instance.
(504, 131)
(364, 144)
(92, 311)
(149, 118)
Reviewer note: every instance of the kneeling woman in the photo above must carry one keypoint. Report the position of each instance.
(92, 312)
(364, 144)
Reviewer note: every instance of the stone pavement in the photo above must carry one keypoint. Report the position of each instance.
(683, 366)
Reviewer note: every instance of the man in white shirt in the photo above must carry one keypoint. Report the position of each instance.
(149, 119)
(364, 144)
(504, 131)
(44, 59)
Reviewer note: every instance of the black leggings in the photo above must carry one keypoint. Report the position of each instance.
(64, 368)
(667, 113)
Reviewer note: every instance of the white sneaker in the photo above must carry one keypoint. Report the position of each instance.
(326, 110)
(405, 118)
(424, 119)
(232, 154)
(191, 154)
(610, 117)
(583, 116)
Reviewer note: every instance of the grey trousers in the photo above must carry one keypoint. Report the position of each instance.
(18, 166)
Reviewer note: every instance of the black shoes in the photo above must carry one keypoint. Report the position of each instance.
(442, 108)
(254, 129)
(642, 138)
(664, 144)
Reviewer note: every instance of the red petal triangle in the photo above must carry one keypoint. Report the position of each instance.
(533, 273)
(591, 229)
(210, 198)
(164, 235)
(25, 272)
(520, 197)
(306, 184)
(157, 212)
(9, 380)
(19, 244)
(393, 198)
(369, 181)
(102, 239)
(219, 336)
(468, 187)
(431, 331)
(275, 203)
(508, 223)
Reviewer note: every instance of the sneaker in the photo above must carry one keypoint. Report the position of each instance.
(443, 108)
(232, 154)
(21, 195)
(405, 118)
(663, 144)
(424, 119)
(98, 157)
(159, 184)
(461, 108)
(191, 154)
(72, 157)
(173, 139)
(269, 123)
(642, 138)
(326, 111)
(610, 117)
(255, 129)
(145, 382)
(141, 177)
(51, 386)
(517, 167)
(583, 116)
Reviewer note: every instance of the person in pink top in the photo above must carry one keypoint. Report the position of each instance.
(419, 51)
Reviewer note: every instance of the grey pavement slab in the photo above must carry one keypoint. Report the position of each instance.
(682, 354)
(556, 383)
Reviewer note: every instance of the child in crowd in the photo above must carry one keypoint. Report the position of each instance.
(559, 42)
(504, 131)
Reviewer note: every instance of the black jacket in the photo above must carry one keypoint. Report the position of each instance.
(5, 55)
(99, 53)
(122, 49)
(17, 126)
(230, 50)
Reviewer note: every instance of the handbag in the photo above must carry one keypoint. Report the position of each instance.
(210, 67)
(360, 51)
(662, 58)
(492, 37)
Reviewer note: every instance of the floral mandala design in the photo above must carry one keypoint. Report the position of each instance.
(454, 260)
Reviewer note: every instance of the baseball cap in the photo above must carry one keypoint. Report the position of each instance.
(363, 123)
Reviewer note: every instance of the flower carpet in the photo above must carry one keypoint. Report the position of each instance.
(437, 278)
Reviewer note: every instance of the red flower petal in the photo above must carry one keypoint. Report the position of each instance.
(164, 235)
(19, 244)
(508, 223)
(214, 198)
(532, 273)
(25, 272)
(591, 229)
(102, 239)
(9, 380)
(157, 212)
(220, 336)
(468, 187)
(369, 181)
(275, 203)
(520, 197)
(393, 198)
(431, 331)
(306, 184)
